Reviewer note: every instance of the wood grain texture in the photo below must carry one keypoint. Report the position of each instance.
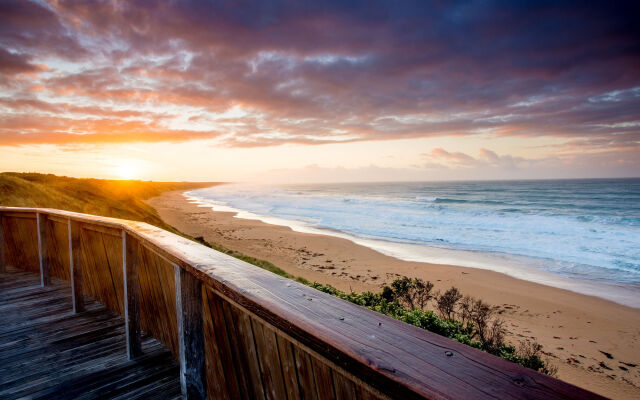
(306, 378)
(46, 352)
(237, 355)
(324, 379)
(130, 267)
(190, 335)
(21, 242)
(3, 245)
(19, 212)
(102, 268)
(104, 229)
(58, 248)
(216, 376)
(249, 365)
(345, 389)
(43, 249)
(231, 382)
(295, 361)
(362, 393)
(350, 351)
(157, 299)
(270, 367)
(288, 366)
(75, 265)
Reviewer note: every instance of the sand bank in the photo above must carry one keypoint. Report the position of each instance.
(594, 342)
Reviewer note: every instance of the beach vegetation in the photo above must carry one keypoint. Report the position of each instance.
(462, 318)
(447, 302)
(412, 293)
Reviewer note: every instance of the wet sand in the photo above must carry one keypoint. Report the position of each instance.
(595, 343)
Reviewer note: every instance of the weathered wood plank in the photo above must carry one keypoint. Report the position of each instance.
(289, 370)
(157, 299)
(130, 266)
(165, 283)
(324, 379)
(112, 247)
(58, 218)
(363, 393)
(96, 274)
(216, 377)
(305, 374)
(237, 355)
(248, 356)
(89, 267)
(51, 354)
(24, 215)
(224, 349)
(269, 358)
(190, 334)
(3, 245)
(345, 389)
(43, 250)
(104, 230)
(58, 248)
(75, 265)
(102, 268)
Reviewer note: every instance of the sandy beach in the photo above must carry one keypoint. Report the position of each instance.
(593, 342)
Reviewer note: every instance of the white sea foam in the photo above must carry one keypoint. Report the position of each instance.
(519, 235)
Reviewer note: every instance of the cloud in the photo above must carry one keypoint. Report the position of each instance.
(457, 157)
(13, 63)
(486, 159)
(318, 72)
(441, 165)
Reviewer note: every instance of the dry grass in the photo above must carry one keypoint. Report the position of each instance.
(110, 198)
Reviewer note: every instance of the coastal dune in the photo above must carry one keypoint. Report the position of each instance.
(593, 342)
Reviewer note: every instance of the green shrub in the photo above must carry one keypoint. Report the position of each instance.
(388, 302)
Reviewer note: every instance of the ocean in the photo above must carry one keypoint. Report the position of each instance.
(581, 235)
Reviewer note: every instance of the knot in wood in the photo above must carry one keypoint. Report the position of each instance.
(518, 381)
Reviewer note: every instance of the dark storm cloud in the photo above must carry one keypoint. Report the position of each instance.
(315, 72)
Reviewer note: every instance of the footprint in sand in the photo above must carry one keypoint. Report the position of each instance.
(608, 355)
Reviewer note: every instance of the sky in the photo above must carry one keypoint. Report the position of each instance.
(315, 91)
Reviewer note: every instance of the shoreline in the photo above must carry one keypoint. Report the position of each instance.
(519, 267)
(576, 330)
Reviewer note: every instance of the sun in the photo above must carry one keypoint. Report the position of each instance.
(127, 170)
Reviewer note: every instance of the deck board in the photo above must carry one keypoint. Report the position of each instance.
(46, 351)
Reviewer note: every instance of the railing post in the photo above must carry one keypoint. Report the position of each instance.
(43, 250)
(190, 334)
(3, 256)
(76, 267)
(130, 263)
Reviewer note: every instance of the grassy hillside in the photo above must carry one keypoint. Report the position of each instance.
(110, 198)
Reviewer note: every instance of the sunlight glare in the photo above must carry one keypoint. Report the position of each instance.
(127, 169)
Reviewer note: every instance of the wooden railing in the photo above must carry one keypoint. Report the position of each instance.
(243, 332)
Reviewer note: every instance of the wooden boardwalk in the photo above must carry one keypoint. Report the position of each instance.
(239, 331)
(46, 351)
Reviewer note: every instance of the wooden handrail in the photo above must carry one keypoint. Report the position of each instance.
(271, 335)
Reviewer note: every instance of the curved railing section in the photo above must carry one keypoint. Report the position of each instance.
(242, 332)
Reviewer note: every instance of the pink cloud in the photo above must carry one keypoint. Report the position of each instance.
(317, 74)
